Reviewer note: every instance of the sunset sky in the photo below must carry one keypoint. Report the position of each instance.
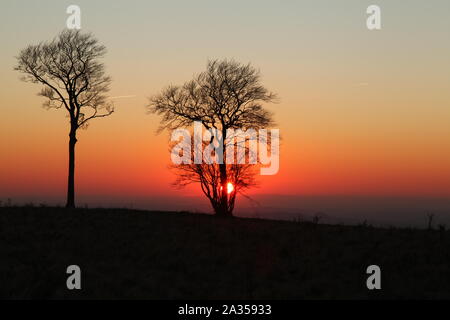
(361, 113)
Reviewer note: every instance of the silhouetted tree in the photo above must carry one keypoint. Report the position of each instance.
(228, 95)
(240, 177)
(68, 66)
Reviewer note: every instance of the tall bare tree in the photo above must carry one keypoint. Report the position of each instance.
(68, 67)
(228, 95)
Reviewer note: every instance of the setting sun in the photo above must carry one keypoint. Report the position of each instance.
(230, 187)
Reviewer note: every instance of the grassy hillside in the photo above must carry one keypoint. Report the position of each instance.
(162, 255)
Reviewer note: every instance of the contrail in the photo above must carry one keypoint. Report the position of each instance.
(121, 97)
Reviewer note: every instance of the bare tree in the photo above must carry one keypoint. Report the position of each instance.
(228, 95)
(68, 67)
(240, 177)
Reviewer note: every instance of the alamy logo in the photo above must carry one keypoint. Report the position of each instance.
(374, 280)
(234, 146)
(74, 20)
(373, 22)
(74, 280)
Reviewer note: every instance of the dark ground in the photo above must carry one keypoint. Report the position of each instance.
(161, 255)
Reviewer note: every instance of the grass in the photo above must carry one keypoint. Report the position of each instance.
(162, 255)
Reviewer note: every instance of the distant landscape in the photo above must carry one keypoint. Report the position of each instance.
(350, 210)
(175, 255)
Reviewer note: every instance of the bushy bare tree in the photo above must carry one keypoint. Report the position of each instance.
(228, 95)
(68, 67)
(240, 177)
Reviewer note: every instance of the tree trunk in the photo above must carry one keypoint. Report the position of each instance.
(71, 179)
(223, 207)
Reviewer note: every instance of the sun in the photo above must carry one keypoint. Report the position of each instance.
(230, 187)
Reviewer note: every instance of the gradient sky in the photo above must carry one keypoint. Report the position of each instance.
(361, 112)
